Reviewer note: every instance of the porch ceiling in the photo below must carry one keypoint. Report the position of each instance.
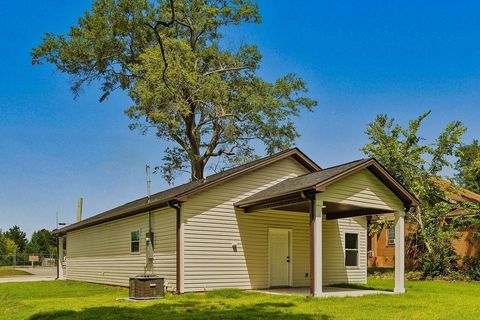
(332, 210)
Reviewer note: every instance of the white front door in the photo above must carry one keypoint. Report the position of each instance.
(279, 260)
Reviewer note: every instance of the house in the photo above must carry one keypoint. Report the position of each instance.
(381, 245)
(280, 221)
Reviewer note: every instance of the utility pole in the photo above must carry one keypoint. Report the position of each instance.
(79, 209)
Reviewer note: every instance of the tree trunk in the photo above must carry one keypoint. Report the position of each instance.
(198, 168)
(422, 230)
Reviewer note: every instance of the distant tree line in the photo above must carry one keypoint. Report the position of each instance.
(14, 241)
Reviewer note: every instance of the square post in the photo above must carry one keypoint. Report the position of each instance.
(60, 274)
(399, 252)
(316, 247)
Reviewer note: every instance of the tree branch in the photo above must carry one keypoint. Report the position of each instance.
(213, 142)
(221, 70)
(165, 24)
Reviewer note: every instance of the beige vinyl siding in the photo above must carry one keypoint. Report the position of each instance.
(334, 270)
(212, 225)
(360, 189)
(101, 253)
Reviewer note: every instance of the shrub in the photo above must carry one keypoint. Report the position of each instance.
(471, 268)
(438, 263)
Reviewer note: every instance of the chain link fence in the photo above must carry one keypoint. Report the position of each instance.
(29, 259)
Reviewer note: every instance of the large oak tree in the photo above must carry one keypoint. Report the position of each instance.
(203, 98)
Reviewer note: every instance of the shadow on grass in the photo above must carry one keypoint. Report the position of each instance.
(358, 287)
(382, 271)
(184, 310)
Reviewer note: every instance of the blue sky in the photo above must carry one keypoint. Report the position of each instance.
(359, 58)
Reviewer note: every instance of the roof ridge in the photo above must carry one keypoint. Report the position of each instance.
(347, 163)
(207, 178)
(253, 161)
(182, 191)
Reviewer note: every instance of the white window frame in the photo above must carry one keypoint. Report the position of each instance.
(357, 250)
(139, 240)
(390, 241)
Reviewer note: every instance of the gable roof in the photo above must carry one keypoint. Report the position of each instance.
(456, 193)
(318, 181)
(181, 192)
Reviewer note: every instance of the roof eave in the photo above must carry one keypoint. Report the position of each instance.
(295, 152)
(85, 223)
(243, 204)
(411, 199)
(406, 196)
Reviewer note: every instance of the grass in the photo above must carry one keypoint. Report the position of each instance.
(10, 271)
(58, 300)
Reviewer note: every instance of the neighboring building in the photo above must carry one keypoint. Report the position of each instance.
(381, 246)
(280, 221)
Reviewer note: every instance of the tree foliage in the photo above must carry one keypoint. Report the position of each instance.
(18, 237)
(42, 242)
(7, 245)
(204, 99)
(468, 166)
(418, 164)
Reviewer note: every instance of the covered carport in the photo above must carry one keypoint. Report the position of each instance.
(356, 189)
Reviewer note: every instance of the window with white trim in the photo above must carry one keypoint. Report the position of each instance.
(391, 236)
(135, 241)
(351, 249)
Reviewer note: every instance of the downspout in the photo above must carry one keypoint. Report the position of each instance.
(178, 254)
(149, 251)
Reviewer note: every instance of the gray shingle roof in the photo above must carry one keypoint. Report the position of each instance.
(302, 182)
(161, 198)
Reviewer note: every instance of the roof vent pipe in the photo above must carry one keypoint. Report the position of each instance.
(79, 209)
(147, 169)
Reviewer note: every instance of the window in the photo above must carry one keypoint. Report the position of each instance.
(351, 249)
(135, 241)
(391, 236)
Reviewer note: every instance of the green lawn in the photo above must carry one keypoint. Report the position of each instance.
(74, 300)
(9, 271)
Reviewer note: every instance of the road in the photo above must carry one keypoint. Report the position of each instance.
(37, 274)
